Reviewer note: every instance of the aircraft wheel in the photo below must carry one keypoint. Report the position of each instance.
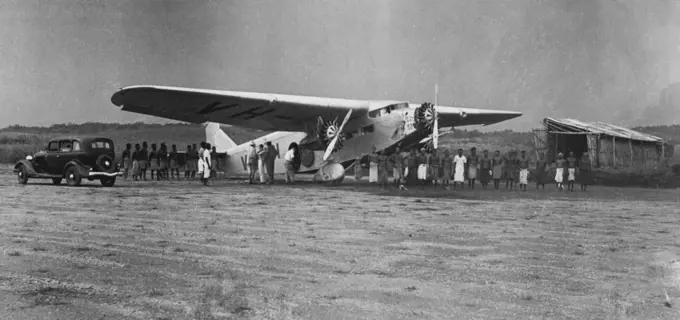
(56, 181)
(73, 178)
(22, 174)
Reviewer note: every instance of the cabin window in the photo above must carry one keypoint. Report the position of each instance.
(53, 146)
(101, 144)
(65, 145)
(387, 110)
(367, 129)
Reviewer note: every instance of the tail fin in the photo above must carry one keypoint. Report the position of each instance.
(217, 138)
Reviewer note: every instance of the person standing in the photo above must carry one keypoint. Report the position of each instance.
(357, 169)
(541, 171)
(472, 162)
(207, 163)
(459, 162)
(397, 160)
(136, 171)
(382, 169)
(144, 160)
(289, 159)
(572, 165)
(412, 167)
(215, 162)
(272, 154)
(187, 163)
(523, 171)
(200, 163)
(421, 160)
(446, 167)
(497, 162)
(560, 163)
(373, 167)
(261, 153)
(174, 163)
(127, 160)
(163, 162)
(485, 169)
(153, 161)
(195, 156)
(510, 166)
(433, 164)
(585, 175)
(252, 163)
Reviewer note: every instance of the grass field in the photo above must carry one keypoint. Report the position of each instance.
(178, 250)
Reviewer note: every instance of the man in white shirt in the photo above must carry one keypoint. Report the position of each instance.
(459, 162)
(288, 159)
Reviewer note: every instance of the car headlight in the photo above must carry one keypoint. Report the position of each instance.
(29, 158)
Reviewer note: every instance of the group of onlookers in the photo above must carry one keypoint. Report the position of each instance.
(164, 164)
(418, 167)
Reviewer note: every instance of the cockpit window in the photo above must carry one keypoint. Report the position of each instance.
(386, 110)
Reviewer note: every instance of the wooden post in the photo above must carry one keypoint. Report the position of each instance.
(614, 151)
(630, 144)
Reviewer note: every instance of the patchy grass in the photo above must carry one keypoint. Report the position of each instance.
(178, 250)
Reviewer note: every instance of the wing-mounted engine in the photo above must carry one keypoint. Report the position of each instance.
(327, 131)
(424, 118)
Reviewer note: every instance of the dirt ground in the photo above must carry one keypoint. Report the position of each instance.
(178, 250)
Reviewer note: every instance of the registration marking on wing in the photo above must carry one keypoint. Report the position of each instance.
(252, 112)
(216, 106)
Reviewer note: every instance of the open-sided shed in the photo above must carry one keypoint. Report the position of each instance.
(608, 145)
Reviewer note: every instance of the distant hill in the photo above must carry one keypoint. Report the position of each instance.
(18, 141)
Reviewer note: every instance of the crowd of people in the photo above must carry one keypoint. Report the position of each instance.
(416, 168)
(422, 167)
(164, 164)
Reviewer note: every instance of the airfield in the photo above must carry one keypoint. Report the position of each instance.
(179, 250)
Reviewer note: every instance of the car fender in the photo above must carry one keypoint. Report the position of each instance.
(82, 169)
(28, 165)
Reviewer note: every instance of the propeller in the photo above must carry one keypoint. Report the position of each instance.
(331, 145)
(435, 126)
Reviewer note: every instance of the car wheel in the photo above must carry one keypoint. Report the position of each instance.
(108, 182)
(73, 177)
(56, 181)
(22, 174)
(105, 163)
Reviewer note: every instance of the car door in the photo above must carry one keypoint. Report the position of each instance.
(58, 160)
(43, 159)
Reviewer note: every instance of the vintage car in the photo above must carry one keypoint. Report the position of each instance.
(72, 158)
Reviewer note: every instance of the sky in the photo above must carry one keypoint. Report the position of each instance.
(600, 60)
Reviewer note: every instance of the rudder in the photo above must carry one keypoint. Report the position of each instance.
(217, 138)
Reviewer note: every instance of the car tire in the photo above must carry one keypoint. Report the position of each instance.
(105, 163)
(73, 177)
(22, 174)
(108, 182)
(56, 181)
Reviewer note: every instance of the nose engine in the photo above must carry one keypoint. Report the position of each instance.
(424, 118)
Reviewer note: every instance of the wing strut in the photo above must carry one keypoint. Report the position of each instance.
(331, 145)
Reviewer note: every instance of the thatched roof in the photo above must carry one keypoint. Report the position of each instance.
(573, 126)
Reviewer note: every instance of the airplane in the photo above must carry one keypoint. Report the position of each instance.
(310, 125)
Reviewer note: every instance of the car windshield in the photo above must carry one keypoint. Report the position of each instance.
(102, 144)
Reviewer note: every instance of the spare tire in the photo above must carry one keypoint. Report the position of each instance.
(105, 164)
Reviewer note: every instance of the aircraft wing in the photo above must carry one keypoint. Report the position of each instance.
(264, 111)
(459, 116)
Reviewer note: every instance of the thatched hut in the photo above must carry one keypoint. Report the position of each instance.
(609, 146)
